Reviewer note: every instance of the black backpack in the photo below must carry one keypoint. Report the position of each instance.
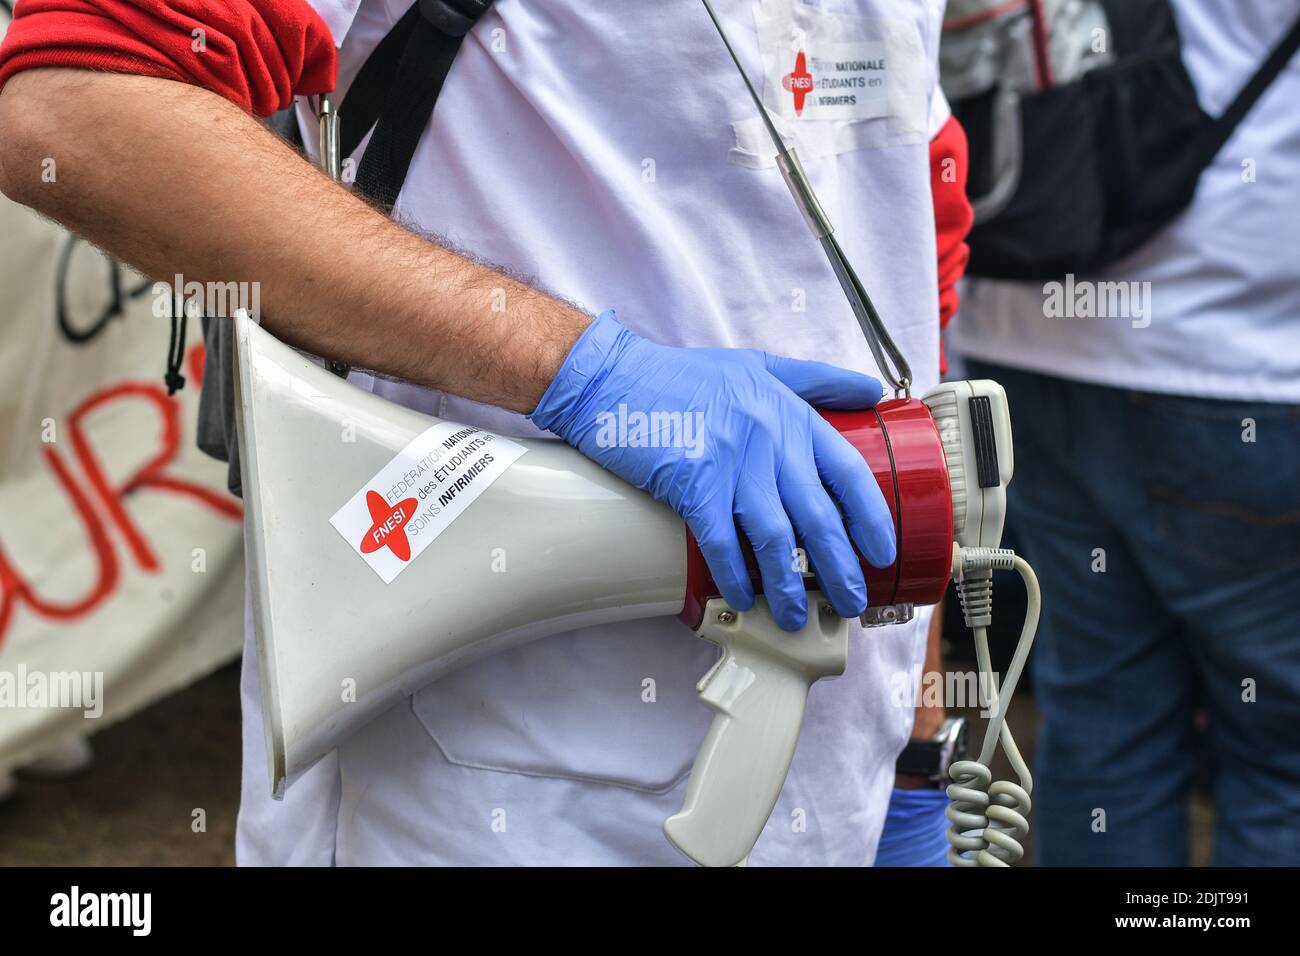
(1086, 137)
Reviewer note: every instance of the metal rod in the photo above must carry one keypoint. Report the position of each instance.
(890, 359)
(329, 146)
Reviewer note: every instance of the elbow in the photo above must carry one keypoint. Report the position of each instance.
(29, 138)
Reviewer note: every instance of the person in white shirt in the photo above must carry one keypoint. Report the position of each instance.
(1157, 493)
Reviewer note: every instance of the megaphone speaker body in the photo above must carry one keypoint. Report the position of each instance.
(545, 543)
(554, 543)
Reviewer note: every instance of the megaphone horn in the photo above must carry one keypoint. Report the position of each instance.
(336, 478)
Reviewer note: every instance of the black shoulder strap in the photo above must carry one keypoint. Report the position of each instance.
(397, 88)
(1223, 127)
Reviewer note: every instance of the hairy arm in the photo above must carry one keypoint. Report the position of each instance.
(172, 178)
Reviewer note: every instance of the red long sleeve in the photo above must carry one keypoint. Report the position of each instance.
(952, 215)
(256, 53)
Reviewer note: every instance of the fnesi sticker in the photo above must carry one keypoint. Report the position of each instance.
(417, 495)
(833, 81)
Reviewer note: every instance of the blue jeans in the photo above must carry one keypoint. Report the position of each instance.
(1168, 548)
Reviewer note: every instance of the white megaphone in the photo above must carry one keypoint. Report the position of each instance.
(372, 529)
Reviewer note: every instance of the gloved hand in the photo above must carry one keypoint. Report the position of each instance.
(916, 829)
(725, 436)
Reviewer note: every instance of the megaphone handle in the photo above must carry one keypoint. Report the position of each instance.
(759, 688)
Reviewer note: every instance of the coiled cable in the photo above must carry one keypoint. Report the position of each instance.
(990, 819)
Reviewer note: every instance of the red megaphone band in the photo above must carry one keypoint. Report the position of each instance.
(900, 442)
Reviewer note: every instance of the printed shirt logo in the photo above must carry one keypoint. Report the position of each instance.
(388, 530)
(799, 82)
(820, 67)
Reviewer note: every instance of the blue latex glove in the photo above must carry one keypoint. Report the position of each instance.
(727, 436)
(916, 830)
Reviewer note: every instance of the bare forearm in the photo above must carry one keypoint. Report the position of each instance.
(173, 179)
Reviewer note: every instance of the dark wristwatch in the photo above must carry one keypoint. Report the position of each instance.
(930, 758)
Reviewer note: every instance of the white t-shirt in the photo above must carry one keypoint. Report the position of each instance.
(592, 145)
(1223, 316)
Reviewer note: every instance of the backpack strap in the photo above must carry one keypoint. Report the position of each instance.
(397, 88)
(1222, 129)
(394, 94)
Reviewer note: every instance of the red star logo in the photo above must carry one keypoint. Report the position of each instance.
(800, 82)
(389, 528)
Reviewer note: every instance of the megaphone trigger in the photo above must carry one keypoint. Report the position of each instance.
(758, 689)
